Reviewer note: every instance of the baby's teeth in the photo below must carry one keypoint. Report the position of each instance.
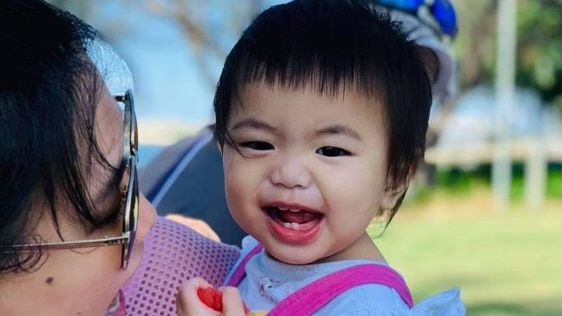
(291, 225)
(294, 210)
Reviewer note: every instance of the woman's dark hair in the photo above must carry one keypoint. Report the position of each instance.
(330, 45)
(49, 89)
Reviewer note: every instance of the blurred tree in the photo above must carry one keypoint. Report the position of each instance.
(114, 25)
(82, 9)
(539, 48)
(539, 33)
(210, 27)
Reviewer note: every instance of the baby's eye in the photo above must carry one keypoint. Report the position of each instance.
(257, 145)
(330, 151)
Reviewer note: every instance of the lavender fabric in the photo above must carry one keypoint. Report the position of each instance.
(174, 253)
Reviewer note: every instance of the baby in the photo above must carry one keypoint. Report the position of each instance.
(321, 116)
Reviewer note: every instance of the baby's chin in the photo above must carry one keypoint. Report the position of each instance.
(117, 306)
(292, 260)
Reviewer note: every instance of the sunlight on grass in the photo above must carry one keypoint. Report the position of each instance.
(504, 263)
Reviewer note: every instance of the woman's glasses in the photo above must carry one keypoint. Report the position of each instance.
(131, 193)
(129, 203)
(438, 14)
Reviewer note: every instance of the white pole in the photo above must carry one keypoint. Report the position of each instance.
(536, 168)
(505, 76)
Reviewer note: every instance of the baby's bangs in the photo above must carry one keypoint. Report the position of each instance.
(327, 75)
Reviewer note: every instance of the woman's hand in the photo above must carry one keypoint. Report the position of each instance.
(189, 303)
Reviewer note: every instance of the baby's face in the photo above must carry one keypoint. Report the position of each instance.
(312, 171)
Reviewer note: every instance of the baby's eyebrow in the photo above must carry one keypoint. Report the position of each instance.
(254, 123)
(338, 129)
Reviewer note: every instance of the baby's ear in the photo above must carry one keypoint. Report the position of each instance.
(430, 62)
(396, 188)
(392, 195)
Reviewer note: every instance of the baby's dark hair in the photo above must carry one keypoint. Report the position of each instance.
(330, 46)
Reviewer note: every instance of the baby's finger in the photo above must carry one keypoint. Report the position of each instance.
(232, 302)
(197, 282)
(187, 301)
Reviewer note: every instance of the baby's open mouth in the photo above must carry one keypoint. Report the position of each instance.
(294, 219)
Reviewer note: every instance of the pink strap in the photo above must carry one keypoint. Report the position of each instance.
(240, 271)
(318, 293)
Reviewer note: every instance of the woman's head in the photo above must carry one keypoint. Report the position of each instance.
(48, 101)
(61, 165)
(329, 47)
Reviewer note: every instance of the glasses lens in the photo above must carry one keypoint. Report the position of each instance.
(135, 185)
(130, 221)
(131, 210)
(133, 132)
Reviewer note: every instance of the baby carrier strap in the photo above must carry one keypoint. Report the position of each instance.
(239, 272)
(317, 294)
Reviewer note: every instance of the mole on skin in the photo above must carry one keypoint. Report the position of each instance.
(49, 280)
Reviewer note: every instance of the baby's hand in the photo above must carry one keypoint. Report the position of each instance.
(198, 297)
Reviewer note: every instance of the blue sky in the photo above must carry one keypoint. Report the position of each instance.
(167, 85)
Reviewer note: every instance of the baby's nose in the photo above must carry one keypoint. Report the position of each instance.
(290, 172)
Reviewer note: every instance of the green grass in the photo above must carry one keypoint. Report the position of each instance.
(456, 181)
(504, 264)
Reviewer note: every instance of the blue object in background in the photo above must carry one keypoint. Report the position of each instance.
(147, 153)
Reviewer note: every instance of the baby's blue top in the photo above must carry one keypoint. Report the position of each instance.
(269, 281)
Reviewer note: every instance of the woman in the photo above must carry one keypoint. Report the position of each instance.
(76, 237)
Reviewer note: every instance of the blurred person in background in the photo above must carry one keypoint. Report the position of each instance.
(76, 237)
(186, 179)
